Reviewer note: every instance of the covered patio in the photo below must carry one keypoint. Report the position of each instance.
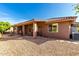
(30, 29)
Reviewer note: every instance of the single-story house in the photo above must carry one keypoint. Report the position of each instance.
(59, 27)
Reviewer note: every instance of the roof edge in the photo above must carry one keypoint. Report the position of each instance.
(48, 19)
(63, 17)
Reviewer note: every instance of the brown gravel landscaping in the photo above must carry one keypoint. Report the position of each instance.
(27, 46)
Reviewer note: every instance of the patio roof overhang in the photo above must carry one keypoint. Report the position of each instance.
(28, 22)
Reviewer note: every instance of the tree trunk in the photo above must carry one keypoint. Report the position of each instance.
(0, 35)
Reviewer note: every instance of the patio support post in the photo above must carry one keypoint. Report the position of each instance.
(35, 29)
(23, 30)
(16, 30)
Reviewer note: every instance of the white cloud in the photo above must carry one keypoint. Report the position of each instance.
(8, 17)
(12, 21)
(4, 14)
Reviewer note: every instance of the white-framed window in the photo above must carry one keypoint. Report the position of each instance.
(53, 27)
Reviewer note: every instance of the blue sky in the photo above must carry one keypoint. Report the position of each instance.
(19, 12)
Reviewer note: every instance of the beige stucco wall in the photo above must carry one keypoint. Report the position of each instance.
(63, 31)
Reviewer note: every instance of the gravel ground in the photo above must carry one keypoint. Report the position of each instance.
(27, 46)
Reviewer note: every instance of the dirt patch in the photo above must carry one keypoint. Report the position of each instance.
(20, 46)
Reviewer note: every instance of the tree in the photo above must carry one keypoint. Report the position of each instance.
(76, 8)
(4, 26)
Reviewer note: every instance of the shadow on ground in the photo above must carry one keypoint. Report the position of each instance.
(38, 40)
